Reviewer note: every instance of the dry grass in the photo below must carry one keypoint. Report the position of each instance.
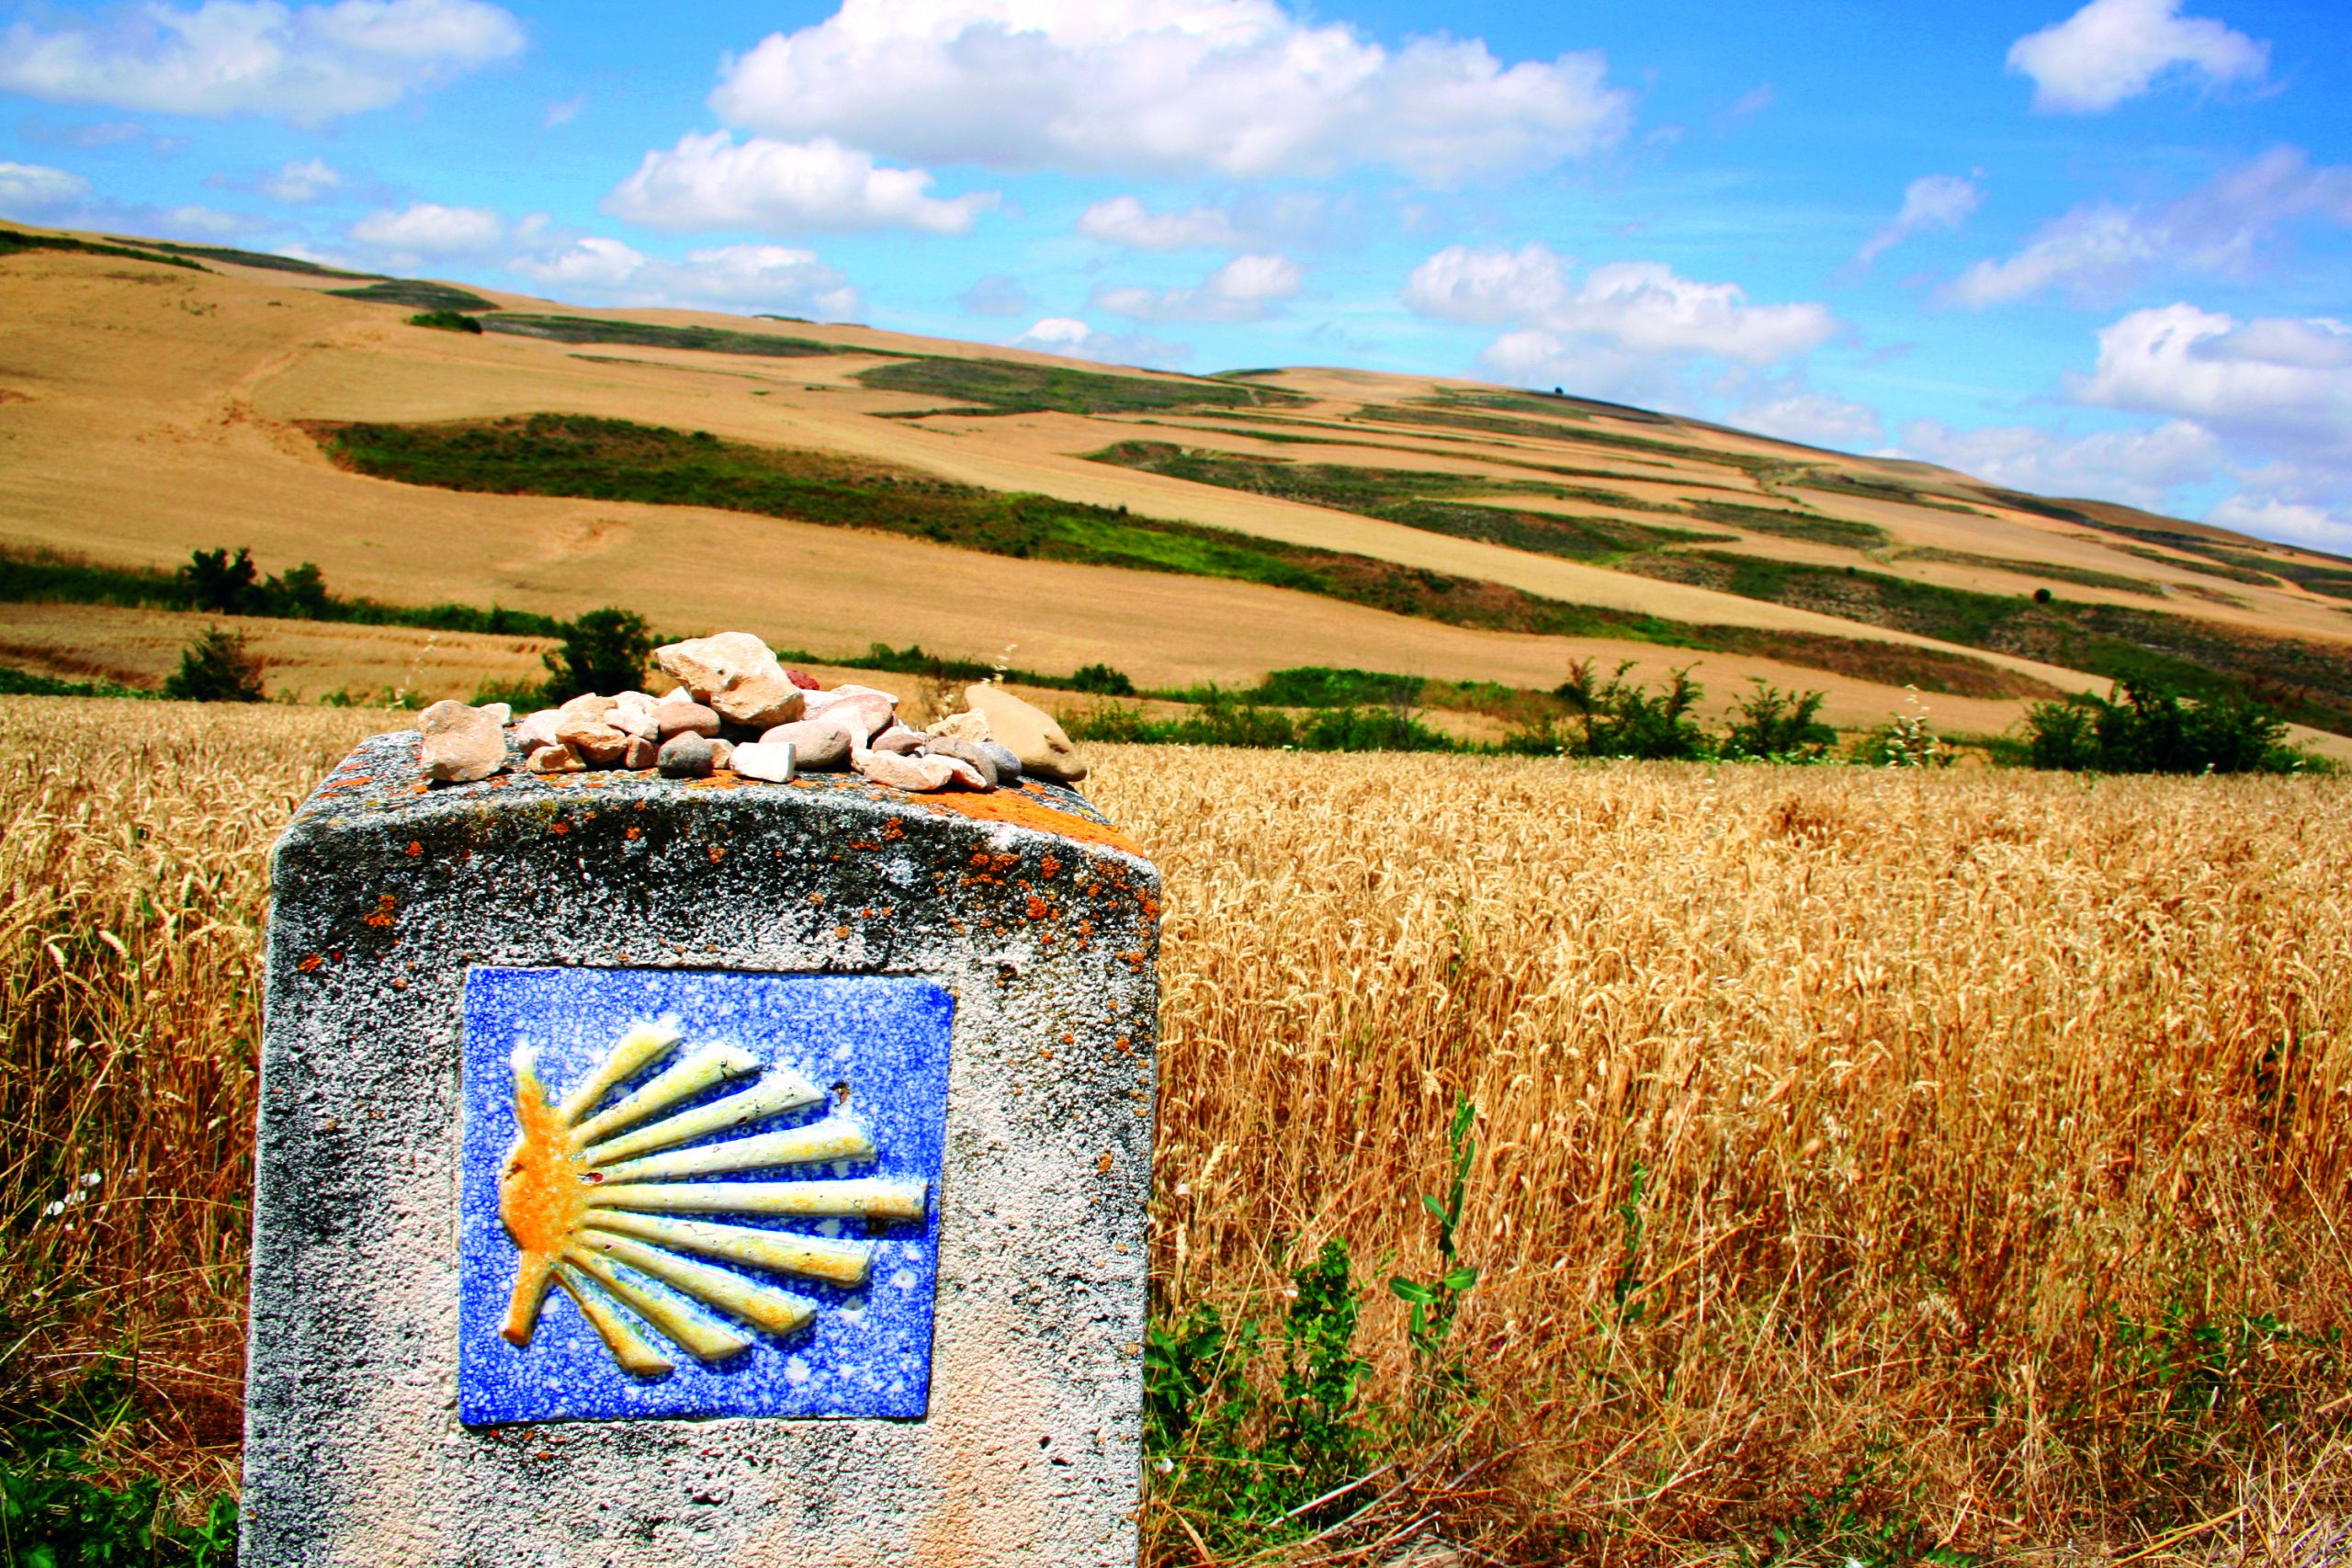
(1987, 1129)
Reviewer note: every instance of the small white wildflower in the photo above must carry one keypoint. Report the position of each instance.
(90, 1178)
(53, 1210)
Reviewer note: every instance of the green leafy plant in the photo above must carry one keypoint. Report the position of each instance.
(217, 667)
(1771, 724)
(1623, 718)
(447, 320)
(55, 1514)
(1246, 1465)
(1434, 1302)
(2146, 726)
(604, 652)
(1103, 679)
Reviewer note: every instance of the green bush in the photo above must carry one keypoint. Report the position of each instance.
(217, 667)
(53, 1514)
(1622, 718)
(1102, 680)
(447, 320)
(1771, 724)
(2146, 726)
(604, 652)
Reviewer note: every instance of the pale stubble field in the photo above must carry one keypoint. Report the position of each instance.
(1958, 1157)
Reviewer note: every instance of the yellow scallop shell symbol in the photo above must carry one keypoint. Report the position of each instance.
(590, 1189)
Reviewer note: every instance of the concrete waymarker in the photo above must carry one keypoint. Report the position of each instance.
(655, 1172)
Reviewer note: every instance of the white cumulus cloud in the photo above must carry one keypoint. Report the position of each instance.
(299, 181)
(1237, 87)
(1794, 412)
(2101, 249)
(1243, 290)
(715, 182)
(2282, 382)
(2137, 466)
(37, 187)
(425, 229)
(1074, 339)
(308, 63)
(1931, 201)
(2114, 49)
(1626, 327)
(775, 279)
(2289, 522)
(593, 262)
(1123, 221)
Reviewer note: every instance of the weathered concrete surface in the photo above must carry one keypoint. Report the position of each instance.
(384, 893)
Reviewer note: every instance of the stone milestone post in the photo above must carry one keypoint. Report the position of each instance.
(702, 1170)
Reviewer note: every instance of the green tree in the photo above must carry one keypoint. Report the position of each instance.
(604, 652)
(300, 592)
(1781, 726)
(220, 582)
(2146, 726)
(1623, 718)
(217, 667)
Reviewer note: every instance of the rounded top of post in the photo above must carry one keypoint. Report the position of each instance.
(384, 785)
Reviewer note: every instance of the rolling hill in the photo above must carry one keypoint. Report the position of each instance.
(833, 486)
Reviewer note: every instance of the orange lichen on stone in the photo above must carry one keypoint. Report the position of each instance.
(311, 965)
(1024, 811)
(718, 854)
(414, 848)
(381, 916)
(1037, 908)
(559, 828)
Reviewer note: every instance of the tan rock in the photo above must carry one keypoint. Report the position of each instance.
(557, 759)
(640, 754)
(635, 724)
(819, 746)
(587, 705)
(920, 775)
(862, 710)
(966, 751)
(897, 738)
(538, 729)
(501, 712)
(723, 753)
(734, 674)
(594, 742)
(1029, 733)
(461, 743)
(680, 716)
(705, 665)
(970, 725)
(759, 700)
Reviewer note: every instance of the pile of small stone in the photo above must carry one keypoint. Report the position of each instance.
(736, 709)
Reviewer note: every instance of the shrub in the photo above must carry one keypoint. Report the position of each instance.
(1771, 724)
(217, 667)
(1102, 680)
(1622, 718)
(222, 584)
(2146, 726)
(447, 320)
(604, 652)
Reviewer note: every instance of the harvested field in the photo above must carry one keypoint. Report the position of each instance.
(1867, 1165)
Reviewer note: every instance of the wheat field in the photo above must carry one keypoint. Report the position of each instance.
(1957, 1160)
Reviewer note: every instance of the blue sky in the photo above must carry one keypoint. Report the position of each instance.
(2099, 251)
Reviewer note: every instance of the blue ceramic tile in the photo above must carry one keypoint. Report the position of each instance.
(867, 1353)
